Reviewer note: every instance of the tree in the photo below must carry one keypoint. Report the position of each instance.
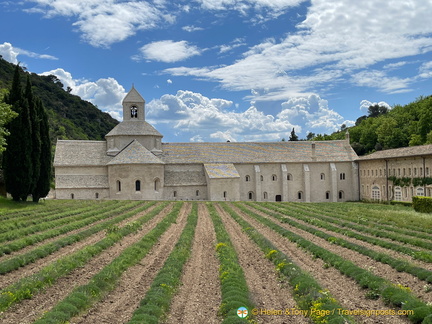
(376, 110)
(293, 136)
(6, 115)
(310, 136)
(17, 162)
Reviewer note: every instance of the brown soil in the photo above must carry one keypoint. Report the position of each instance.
(380, 269)
(29, 310)
(199, 297)
(119, 305)
(32, 268)
(344, 289)
(266, 289)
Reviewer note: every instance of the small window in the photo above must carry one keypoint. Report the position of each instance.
(376, 193)
(398, 171)
(118, 185)
(175, 194)
(300, 195)
(328, 195)
(322, 176)
(420, 191)
(156, 183)
(289, 177)
(262, 178)
(197, 193)
(342, 176)
(134, 112)
(72, 196)
(97, 195)
(427, 171)
(265, 195)
(341, 194)
(274, 177)
(247, 178)
(250, 195)
(137, 185)
(224, 194)
(398, 193)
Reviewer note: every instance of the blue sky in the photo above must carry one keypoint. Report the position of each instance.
(239, 70)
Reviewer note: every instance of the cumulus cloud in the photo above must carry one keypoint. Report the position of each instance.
(10, 53)
(168, 51)
(106, 93)
(365, 104)
(214, 118)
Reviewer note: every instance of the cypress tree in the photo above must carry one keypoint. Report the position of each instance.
(42, 185)
(35, 138)
(293, 136)
(17, 158)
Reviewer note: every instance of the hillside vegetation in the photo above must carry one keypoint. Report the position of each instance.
(383, 129)
(69, 116)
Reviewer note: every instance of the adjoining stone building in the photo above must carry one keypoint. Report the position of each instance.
(397, 174)
(133, 163)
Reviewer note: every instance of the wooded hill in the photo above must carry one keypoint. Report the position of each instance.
(384, 129)
(69, 116)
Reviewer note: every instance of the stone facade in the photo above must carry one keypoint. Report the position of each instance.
(407, 165)
(133, 163)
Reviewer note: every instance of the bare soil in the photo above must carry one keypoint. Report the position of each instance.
(31, 309)
(199, 297)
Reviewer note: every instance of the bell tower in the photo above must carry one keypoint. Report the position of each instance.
(133, 106)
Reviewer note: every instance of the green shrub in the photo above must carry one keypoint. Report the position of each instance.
(422, 204)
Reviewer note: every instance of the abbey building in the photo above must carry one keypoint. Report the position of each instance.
(134, 163)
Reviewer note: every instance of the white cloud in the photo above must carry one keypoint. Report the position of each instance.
(336, 40)
(192, 28)
(104, 22)
(365, 104)
(207, 119)
(10, 53)
(426, 70)
(169, 81)
(168, 51)
(106, 93)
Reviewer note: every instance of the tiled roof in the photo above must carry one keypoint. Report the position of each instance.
(134, 127)
(135, 153)
(264, 152)
(81, 153)
(399, 152)
(221, 170)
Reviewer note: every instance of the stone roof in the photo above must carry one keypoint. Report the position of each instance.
(410, 151)
(81, 153)
(135, 153)
(134, 128)
(133, 96)
(221, 170)
(264, 152)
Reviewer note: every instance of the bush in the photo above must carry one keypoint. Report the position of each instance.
(422, 204)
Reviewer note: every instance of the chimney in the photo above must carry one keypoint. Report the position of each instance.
(313, 152)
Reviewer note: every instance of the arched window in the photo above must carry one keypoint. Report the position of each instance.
(289, 177)
(265, 195)
(175, 194)
(398, 193)
(137, 185)
(300, 195)
(72, 196)
(420, 191)
(197, 193)
(118, 185)
(322, 176)
(262, 178)
(134, 112)
(341, 194)
(247, 178)
(328, 195)
(156, 183)
(376, 193)
(250, 195)
(97, 195)
(274, 177)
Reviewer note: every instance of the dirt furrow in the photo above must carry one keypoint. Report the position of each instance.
(266, 289)
(344, 289)
(29, 310)
(199, 297)
(118, 306)
(416, 285)
(36, 266)
(36, 245)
